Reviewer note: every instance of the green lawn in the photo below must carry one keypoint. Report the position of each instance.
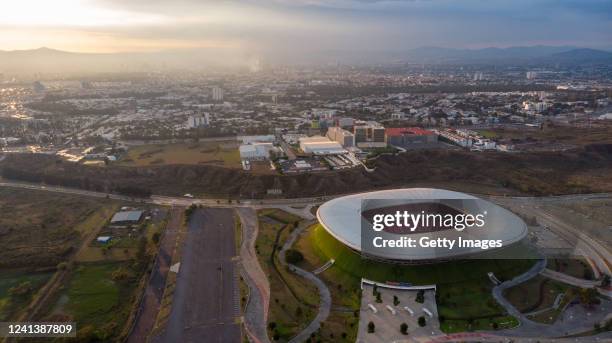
(93, 299)
(9, 305)
(464, 289)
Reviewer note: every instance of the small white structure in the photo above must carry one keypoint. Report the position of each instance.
(103, 239)
(372, 308)
(428, 312)
(391, 309)
(409, 310)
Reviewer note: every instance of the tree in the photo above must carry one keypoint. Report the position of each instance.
(395, 300)
(378, 298)
(293, 256)
(371, 327)
(298, 312)
(605, 282)
(155, 237)
(141, 253)
(21, 289)
(420, 297)
(272, 325)
(404, 329)
(374, 290)
(422, 321)
(589, 296)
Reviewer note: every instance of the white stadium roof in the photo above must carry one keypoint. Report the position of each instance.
(342, 218)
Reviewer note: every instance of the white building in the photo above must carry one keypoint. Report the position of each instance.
(345, 138)
(198, 121)
(531, 75)
(255, 151)
(217, 94)
(319, 145)
(257, 139)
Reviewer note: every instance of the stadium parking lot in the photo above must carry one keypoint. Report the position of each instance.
(387, 324)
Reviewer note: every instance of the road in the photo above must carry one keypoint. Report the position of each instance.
(205, 306)
(256, 313)
(154, 291)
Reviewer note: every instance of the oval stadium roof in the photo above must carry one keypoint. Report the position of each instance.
(342, 218)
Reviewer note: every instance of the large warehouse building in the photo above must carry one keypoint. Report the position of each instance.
(318, 145)
(343, 218)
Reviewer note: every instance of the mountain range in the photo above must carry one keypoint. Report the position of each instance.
(45, 60)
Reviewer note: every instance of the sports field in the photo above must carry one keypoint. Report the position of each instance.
(224, 154)
(464, 289)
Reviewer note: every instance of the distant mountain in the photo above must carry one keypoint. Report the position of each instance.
(45, 60)
(488, 53)
(583, 56)
(512, 55)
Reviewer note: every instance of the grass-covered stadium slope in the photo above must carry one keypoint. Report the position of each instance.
(464, 289)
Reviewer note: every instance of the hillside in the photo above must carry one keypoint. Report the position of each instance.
(581, 171)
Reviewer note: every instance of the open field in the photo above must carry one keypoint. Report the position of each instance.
(11, 301)
(577, 136)
(39, 229)
(98, 297)
(223, 154)
(464, 290)
(294, 301)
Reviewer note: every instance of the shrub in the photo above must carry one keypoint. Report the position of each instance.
(293, 256)
(404, 329)
(371, 327)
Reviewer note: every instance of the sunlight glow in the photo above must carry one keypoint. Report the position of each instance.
(66, 13)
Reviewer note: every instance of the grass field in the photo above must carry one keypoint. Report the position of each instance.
(40, 229)
(294, 300)
(95, 299)
(536, 294)
(11, 304)
(464, 290)
(575, 267)
(223, 154)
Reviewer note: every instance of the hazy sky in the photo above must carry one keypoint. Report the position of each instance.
(307, 26)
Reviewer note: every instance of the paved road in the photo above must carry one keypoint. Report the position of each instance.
(324, 294)
(154, 291)
(256, 313)
(498, 290)
(205, 307)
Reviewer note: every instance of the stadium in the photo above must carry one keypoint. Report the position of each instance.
(343, 218)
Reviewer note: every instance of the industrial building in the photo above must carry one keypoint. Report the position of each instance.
(338, 134)
(319, 145)
(255, 151)
(369, 134)
(410, 137)
(126, 218)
